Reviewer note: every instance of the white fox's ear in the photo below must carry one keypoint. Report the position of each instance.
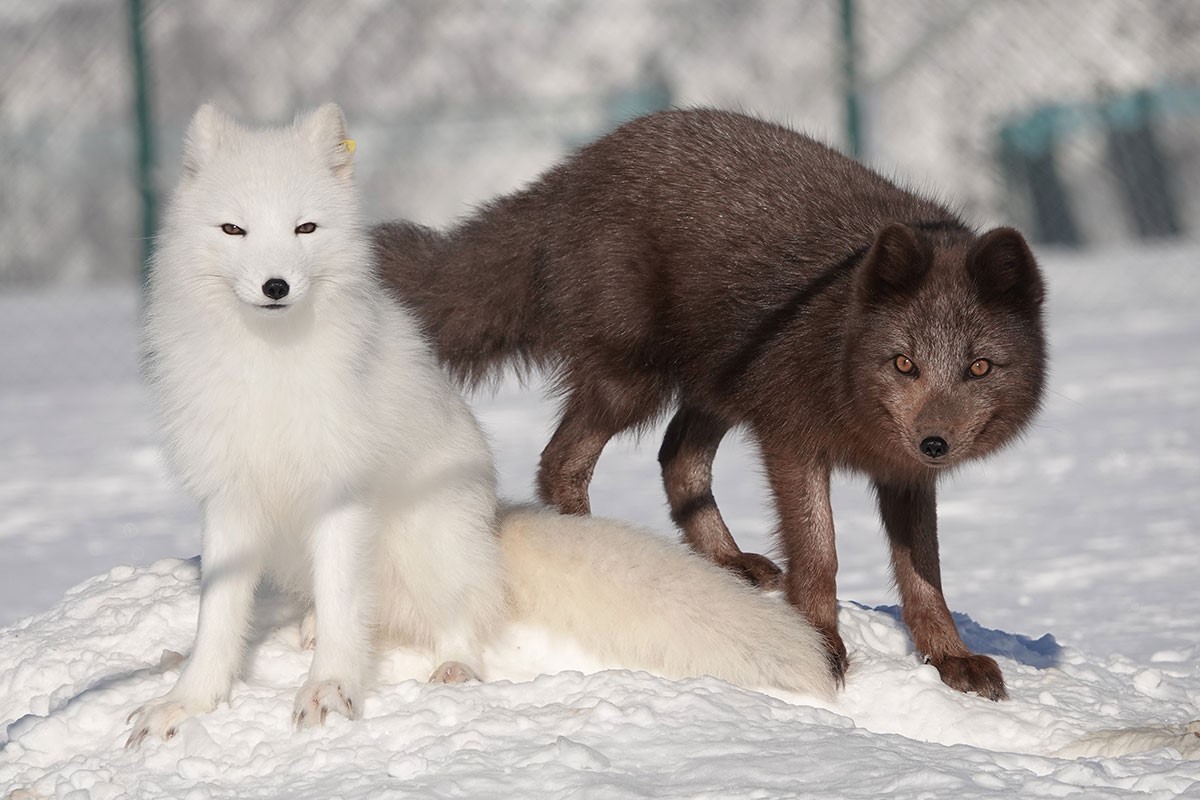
(208, 129)
(326, 129)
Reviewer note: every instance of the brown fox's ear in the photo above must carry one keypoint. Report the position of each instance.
(1003, 268)
(895, 265)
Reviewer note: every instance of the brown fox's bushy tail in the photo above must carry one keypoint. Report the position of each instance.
(474, 289)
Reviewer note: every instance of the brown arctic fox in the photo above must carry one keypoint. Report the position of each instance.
(748, 275)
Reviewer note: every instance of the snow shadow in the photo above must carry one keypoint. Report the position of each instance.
(97, 686)
(1041, 653)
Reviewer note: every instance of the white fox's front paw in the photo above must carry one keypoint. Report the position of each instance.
(317, 698)
(159, 719)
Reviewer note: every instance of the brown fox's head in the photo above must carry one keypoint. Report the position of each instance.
(945, 343)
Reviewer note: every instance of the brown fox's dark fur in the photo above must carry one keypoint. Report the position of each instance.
(748, 275)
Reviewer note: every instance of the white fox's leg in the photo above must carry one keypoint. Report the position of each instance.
(230, 567)
(441, 570)
(443, 584)
(308, 629)
(452, 572)
(343, 577)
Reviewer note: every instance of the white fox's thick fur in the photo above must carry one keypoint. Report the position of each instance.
(331, 456)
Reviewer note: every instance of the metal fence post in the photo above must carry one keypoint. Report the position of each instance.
(145, 133)
(850, 80)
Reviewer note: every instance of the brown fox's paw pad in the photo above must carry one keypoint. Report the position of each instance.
(978, 674)
(159, 719)
(453, 672)
(758, 570)
(316, 699)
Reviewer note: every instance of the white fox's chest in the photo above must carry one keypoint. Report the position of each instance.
(279, 424)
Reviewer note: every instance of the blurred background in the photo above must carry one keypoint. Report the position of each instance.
(1076, 120)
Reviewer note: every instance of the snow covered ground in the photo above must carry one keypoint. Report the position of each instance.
(1072, 557)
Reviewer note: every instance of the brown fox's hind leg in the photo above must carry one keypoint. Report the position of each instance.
(592, 415)
(801, 489)
(686, 456)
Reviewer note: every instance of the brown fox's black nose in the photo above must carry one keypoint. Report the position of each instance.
(934, 446)
(276, 288)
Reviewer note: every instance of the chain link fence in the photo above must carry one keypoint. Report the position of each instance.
(1078, 120)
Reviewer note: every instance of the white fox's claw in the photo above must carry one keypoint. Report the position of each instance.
(316, 700)
(160, 719)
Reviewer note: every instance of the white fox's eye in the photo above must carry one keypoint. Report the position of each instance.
(233, 230)
(307, 227)
(980, 367)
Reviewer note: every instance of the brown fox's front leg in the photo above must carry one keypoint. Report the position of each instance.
(801, 488)
(686, 456)
(910, 518)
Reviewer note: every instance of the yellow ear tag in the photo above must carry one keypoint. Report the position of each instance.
(349, 145)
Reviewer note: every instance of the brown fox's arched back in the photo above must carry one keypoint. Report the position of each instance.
(741, 273)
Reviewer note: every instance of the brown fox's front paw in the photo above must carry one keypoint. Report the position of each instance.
(759, 570)
(974, 673)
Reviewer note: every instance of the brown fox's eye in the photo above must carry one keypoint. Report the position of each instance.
(904, 365)
(307, 227)
(980, 367)
(232, 230)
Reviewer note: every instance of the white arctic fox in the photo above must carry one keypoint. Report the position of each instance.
(308, 417)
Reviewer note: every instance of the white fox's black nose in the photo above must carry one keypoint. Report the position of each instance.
(276, 288)
(934, 446)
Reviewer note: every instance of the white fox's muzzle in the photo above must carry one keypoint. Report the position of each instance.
(274, 293)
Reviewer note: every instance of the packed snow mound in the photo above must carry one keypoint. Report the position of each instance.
(69, 678)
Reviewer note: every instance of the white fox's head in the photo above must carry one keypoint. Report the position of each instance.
(268, 214)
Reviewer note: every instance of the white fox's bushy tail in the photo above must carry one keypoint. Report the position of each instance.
(642, 602)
